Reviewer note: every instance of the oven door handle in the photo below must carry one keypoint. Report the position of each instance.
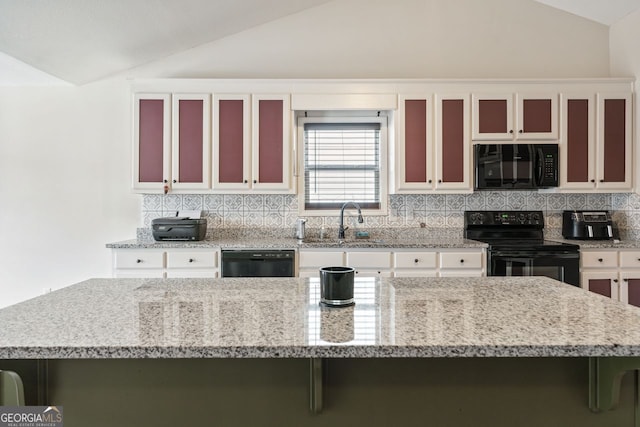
(511, 254)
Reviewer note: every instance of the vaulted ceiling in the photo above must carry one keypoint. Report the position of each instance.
(80, 41)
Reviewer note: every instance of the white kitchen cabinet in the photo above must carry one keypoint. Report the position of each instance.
(415, 264)
(437, 262)
(596, 142)
(172, 142)
(252, 143)
(367, 263)
(434, 149)
(168, 263)
(614, 273)
(514, 116)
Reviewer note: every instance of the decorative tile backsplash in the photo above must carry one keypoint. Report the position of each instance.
(433, 210)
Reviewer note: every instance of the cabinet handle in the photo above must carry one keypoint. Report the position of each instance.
(138, 261)
(191, 260)
(415, 261)
(600, 259)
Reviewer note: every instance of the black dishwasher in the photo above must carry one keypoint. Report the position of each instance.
(258, 263)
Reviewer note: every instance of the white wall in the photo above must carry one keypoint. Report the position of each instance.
(625, 61)
(64, 185)
(405, 38)
(65, 152)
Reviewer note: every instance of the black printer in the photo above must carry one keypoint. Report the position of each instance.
(179, 228)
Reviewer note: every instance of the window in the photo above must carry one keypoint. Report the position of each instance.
(343, 160)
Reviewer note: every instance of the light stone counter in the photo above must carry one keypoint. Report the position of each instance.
(281, 318)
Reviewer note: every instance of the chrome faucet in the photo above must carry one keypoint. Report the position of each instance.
(341, 227)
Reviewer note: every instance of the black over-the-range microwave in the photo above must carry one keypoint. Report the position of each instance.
(515, 166)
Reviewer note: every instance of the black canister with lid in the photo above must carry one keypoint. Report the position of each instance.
(336, 286)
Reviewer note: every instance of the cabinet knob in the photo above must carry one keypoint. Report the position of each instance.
(416, 261)
(430, 181)
(138, 261)
(439, 181)
(625, 280)
(245, 181)
(165, 181)
(255, 181)
(602, 180)
(174, 181)
(461, 261)
(511, 131)
(615, 280)
(600, 260)
(593, 180)
(191, 260)
(520, 131)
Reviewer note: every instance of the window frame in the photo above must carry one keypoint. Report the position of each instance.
(381, 118)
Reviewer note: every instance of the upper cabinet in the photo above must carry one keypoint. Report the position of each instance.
(252, 143)
(272, 155)
(596, 142)
(171, 142)
(433, 151)
(519, 116)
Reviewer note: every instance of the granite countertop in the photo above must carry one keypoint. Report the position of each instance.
(281, 318)
(268, 242)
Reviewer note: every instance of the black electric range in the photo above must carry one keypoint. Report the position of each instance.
(517, 246)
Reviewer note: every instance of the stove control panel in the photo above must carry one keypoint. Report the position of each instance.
(504, 218)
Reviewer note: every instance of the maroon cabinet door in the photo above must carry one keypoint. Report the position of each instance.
(600, 286)
(536, 116)
(415, 141)
(190, 141)
(614, 142)
(453, 143)
(231, 143)
(578, 136)
(151, 140)
(634, 291)
(493, 116)
(270, 141)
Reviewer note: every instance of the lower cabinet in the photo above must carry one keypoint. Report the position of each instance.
(396, 262)
(614, 273)
(169, 263)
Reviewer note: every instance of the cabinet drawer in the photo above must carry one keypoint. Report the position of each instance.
(630, 259)
(461, 260)
(373, 260)
(139, 259)
(598, 259)
(194, 259)
(415, 259)
(318, 259)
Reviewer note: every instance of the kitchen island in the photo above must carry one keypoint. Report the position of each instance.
(412, 351)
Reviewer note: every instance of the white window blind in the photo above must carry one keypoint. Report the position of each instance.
(342, 163)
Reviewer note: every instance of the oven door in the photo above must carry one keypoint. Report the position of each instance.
(561, 265)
